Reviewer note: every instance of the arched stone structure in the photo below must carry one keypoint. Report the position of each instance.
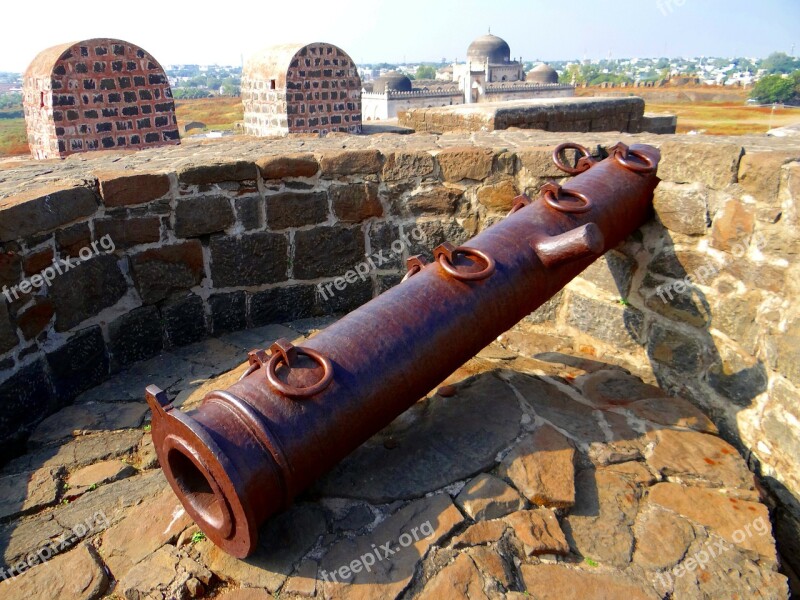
(95, 95)
(297, 88)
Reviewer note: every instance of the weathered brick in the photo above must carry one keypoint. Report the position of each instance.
(37, 261)
(356, 202)
(201, 215)
(10, 266)
(282, 304)
(33, 320)
(465, 163)
(252, 259)
(538, 161)
(327, 251)
(160, 272)
(80, 364)
(86, 289)
(288, 165)
(121, 188)
(184, 319)
(228, 312)
(44, 209)
(137, 335)
(240, 170)
(125, 233)
(351, 162)
(71, 240)
(292, 209)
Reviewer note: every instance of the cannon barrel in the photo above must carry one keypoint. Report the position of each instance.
(247, 451)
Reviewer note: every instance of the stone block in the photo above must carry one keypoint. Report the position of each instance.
(539, 161)
(251, 259)
(288, 165)
(381, 237)
(80, 364)
(248, 212)
(86, 289)
(282, 304)
(616, 324)
(498, 195)
(292, 209)
(184, 319)
(407, 165)
(327, 251)
(127, 232)
(331, 300)
(123, 188)
(760, 174)
(241, 170)
(8, 333)
(160, 272)
(733, 226)
(228, 312)
(44, 209)
(201, 215)
(439, 200)
(682, 207)
(674, 349)
(465, 163)
(351, 162)
(713, 164)
(355, 202)
(135, 336)
(27, 397)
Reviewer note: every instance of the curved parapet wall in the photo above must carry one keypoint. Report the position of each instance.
(301, 88)
(185, 243)
(97, 94)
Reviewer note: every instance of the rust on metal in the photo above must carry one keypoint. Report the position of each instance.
(247, 451)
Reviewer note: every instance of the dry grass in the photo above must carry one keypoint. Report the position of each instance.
(727, 118)
(13, 139)
(216, 113)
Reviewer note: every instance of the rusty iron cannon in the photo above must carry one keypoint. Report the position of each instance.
(247, 451)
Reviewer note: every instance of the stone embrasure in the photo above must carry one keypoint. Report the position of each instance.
(445, 502)
(212, 237)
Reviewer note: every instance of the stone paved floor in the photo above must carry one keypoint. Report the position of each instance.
(522, 478)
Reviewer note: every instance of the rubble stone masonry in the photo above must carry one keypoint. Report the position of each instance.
(241, 233)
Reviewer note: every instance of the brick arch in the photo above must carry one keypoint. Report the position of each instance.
(97, 94)
(301, 88)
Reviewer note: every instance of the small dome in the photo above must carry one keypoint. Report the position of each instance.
(392, 81)
(489, 47)
(542, 73)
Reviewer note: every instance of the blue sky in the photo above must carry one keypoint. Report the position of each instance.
(391, 31)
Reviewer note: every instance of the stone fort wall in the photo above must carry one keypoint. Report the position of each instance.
(702, 299)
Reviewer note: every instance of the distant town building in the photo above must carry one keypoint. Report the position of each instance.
(488, 75)
(301, 88)
(95, 95)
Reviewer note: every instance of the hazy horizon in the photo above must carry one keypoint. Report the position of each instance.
(415, 31)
